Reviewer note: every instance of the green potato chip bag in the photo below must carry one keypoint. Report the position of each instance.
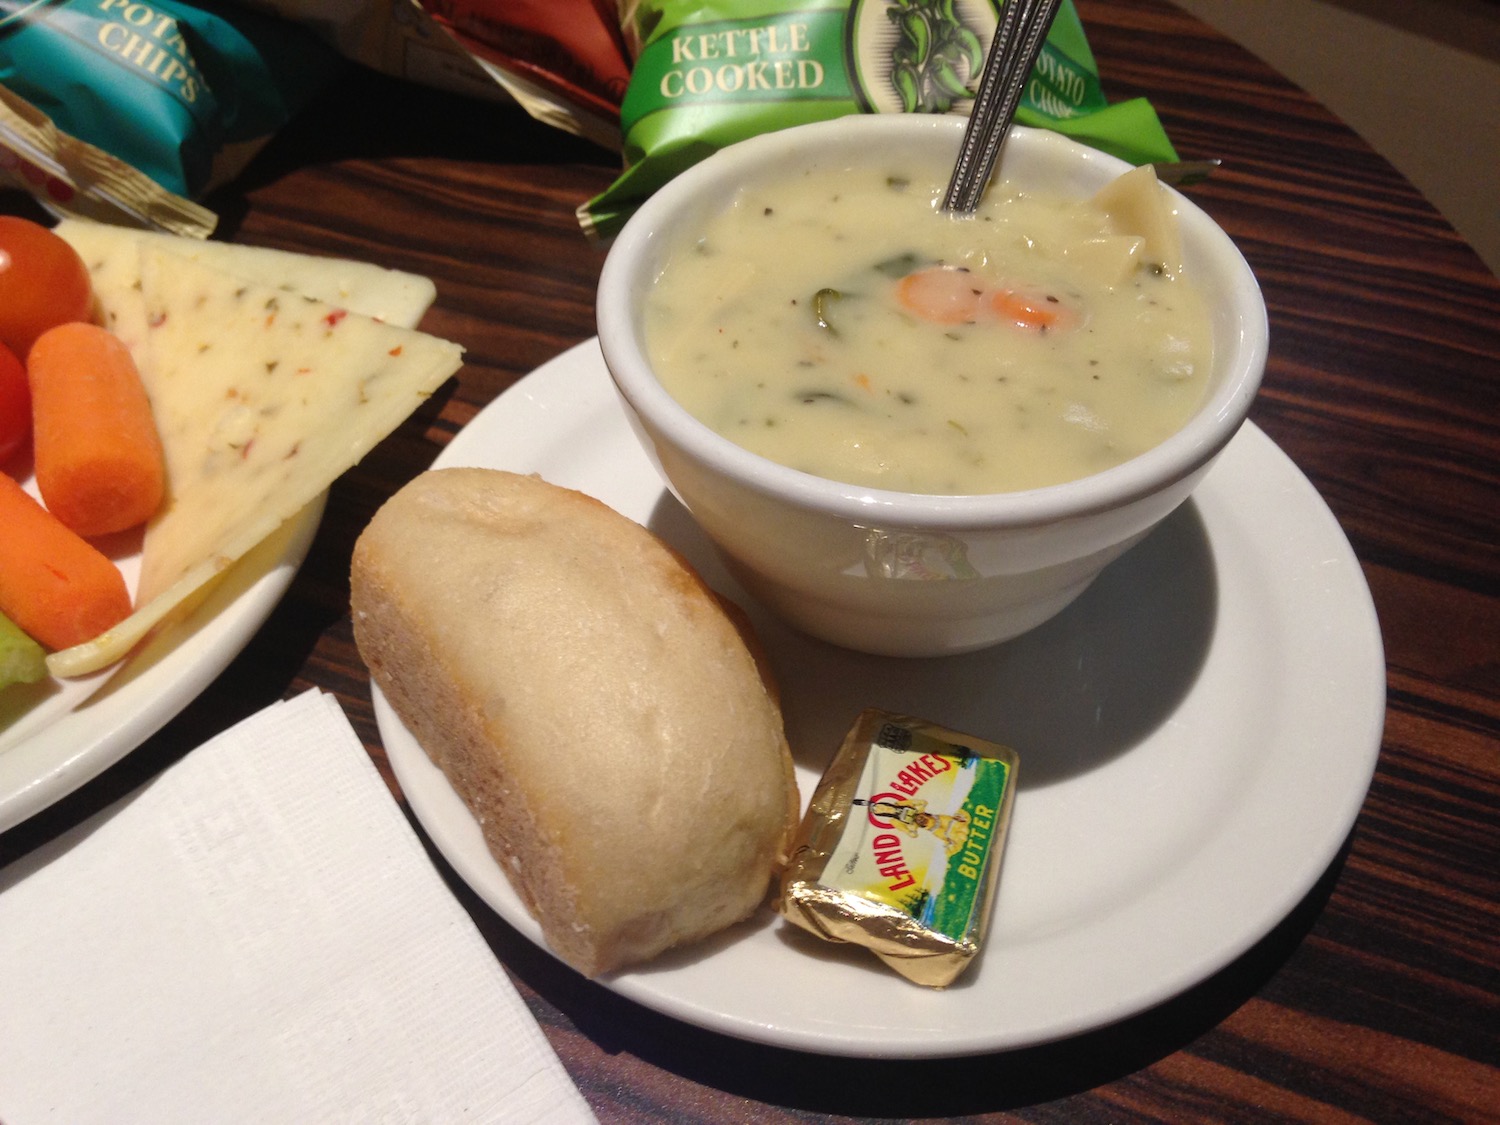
(711, 72)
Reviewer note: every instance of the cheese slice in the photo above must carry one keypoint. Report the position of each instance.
(263, 398)
(113, 256)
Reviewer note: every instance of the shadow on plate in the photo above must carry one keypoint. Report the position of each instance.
(574, 1008)
(1068, 696)
(20, 700)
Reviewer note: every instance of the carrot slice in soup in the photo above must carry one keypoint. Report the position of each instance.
(1040, 313)
(941, 294)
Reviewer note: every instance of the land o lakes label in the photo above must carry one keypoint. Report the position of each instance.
(900, 849)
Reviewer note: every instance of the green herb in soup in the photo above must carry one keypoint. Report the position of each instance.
(838, 323)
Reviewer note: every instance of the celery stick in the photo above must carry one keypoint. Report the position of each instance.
(22, 660)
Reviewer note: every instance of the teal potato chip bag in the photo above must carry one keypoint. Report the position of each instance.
(711, 72)
(184, 93)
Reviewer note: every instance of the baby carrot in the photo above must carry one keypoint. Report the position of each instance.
(98, 456)
(58, 588)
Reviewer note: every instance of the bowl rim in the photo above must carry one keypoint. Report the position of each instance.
(1177, 457)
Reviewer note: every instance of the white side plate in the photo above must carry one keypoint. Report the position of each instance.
(59, 734)
(1196, 734)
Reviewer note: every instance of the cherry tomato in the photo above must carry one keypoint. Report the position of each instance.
(43, 282)
(15, 405)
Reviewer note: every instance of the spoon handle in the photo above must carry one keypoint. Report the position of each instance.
(1018, 42)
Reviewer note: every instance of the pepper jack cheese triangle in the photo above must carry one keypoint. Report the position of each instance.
(263, 398)
(113, 257)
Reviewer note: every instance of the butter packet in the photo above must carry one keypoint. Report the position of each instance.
(708, 73)
(901, 846)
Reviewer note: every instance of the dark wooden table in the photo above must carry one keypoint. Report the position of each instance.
(1379, 997)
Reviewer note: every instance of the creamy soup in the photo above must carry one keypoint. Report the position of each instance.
(839, 323)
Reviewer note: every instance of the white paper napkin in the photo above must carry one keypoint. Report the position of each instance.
(257, 935)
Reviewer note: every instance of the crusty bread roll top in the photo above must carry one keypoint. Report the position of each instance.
(590, 700)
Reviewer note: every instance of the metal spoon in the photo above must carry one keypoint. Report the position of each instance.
(1018, 42)
(1182, 173)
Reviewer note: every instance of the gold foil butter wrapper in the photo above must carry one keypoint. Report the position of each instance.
(900, 848)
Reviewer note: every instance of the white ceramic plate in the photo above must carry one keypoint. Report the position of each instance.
(59, 734)
(1196, 733)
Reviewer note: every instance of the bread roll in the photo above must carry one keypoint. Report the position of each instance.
(591, 701)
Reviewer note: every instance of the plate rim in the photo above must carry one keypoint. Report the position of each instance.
(37, 772)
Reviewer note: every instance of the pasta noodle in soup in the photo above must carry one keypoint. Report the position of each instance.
(839, 323)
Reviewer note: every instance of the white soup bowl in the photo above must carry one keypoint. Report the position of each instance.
(900, 573)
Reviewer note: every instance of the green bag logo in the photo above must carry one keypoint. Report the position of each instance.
(793, 56)
(918, 56)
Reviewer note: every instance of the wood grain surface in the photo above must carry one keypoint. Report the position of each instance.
(1378, 998)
